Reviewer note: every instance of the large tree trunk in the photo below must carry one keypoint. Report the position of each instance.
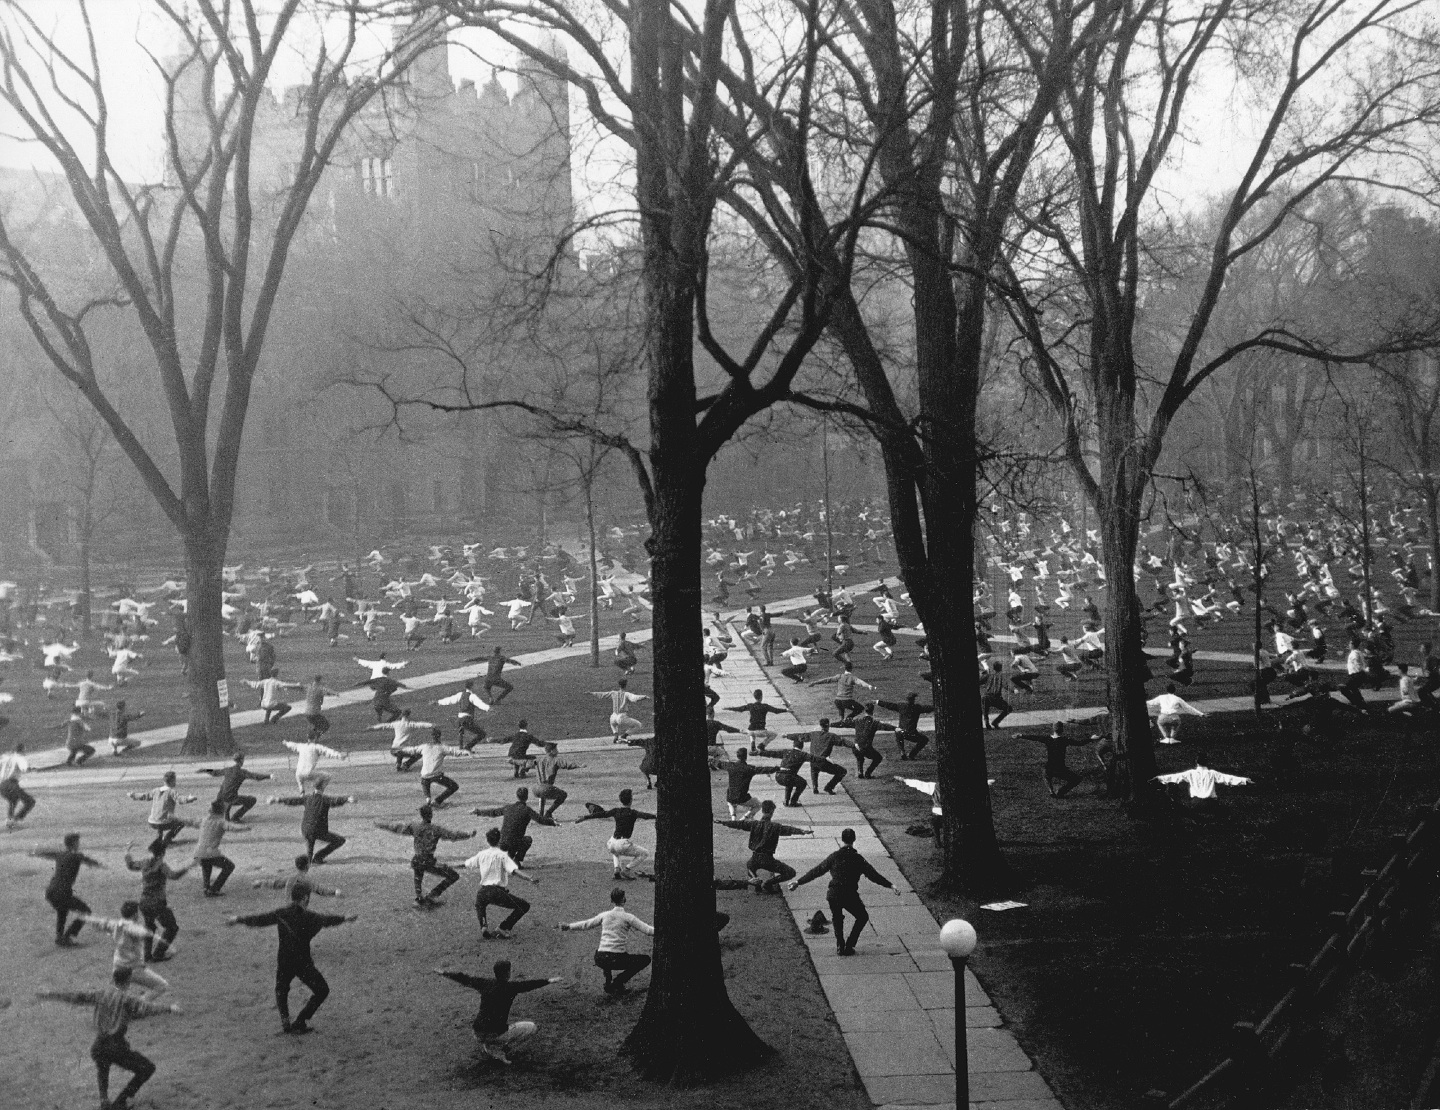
(689, 1031)
(209, 731)
(973, 862)
(1125, 660)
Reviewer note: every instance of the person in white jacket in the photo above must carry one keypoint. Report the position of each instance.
(1168, 708)
(1203, 780)
(307, 755)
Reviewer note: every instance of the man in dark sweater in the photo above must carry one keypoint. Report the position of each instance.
(845, 866)
(907, 728)
(115, 1009)
(492, 1025)
(757, 711)
(60, 892)
(1056, 769)
(865, 727)
(232, 778)
(426, 836)
(518, 749)
(515, 818)
(297, 927)
(739, 772)
(765, 836)
(315, 821)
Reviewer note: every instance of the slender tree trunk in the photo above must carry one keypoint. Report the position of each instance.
(1258, 582)
(209, 731)
(1432, 516)
(87, 527)
(1125, 660)
(594, 572)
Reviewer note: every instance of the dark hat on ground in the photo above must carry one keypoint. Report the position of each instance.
(818, 924)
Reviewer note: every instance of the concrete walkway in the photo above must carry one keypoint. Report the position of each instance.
(895, 999)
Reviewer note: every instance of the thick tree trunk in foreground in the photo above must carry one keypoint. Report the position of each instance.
(209, 731)
(689, 1031)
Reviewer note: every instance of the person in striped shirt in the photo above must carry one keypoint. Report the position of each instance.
(130, 935)
(115, 1008)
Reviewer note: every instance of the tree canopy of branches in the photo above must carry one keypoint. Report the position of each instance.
(1336, 88)
(195, 262)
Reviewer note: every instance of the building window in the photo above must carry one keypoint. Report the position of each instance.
(377, 177)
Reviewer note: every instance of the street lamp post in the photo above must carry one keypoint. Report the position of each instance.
(957, 938)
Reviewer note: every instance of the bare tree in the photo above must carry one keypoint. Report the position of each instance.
(1346, 94)
(196, 262)
(82, 454)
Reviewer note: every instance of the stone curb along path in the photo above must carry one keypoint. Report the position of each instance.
(895, 999)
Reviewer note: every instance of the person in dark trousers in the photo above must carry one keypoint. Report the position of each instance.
(821, 743)
(120, 722)
(207, 853)
(992, 696)
(315, 821)
(845, 866)
(492, 1025)
(155, 874)
(765, 836)
(232, 778)
(426, 836)
(788, 776)
(18, 801)
(518, 749)
(60, 892)
(76, 749)
(115, 1009)
(494, 669)
(865, 726)
(515, 818)
(613, 957)
(1056, 769)
(907, 728)
(163, 800)
(496, 866)
(297, 926)
(382, 701)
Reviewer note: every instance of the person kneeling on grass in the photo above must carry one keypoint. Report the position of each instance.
(613, 956)
(493, 1027)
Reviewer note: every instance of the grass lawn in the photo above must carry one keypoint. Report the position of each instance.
(1141, 944)
(393, 1035)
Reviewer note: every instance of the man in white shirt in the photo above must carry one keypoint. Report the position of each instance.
(432, 755)
(1202, 780)
(496, 867)
(1168, 707)
(19, 802)
(1409, 691)
(613, 956)
(407, 732)
(307, 755)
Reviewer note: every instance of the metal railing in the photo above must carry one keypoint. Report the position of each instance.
(1257, 1047)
